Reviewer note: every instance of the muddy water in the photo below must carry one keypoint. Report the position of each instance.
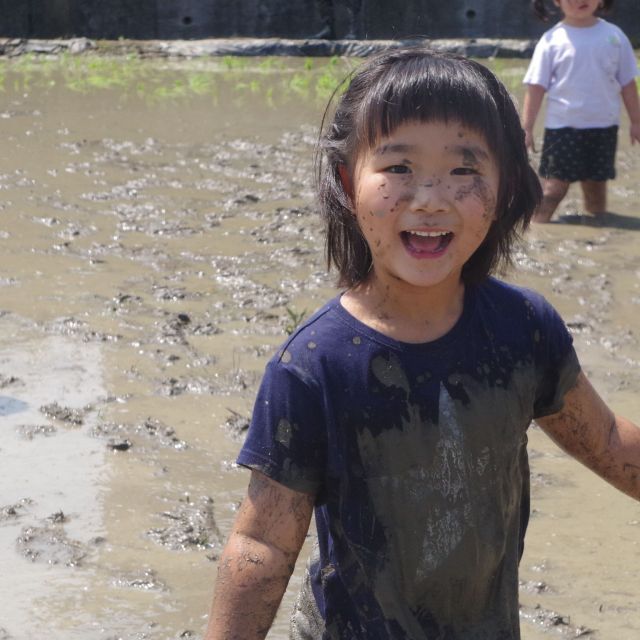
(157, 241)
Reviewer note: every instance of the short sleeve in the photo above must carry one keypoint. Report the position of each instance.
(287, 436)
(540, 67)
(628, 68)
(557, 364)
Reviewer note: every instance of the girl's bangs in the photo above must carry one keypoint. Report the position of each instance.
(423, 95)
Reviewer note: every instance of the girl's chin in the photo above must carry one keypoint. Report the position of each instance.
(402, 281)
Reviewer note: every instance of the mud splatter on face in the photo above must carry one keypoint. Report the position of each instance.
(405, 197)
(469, 158)
(480, 190)
(382, 189)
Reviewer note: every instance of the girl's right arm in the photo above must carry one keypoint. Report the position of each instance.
(258, 559)
(533, 97)
(632, 105)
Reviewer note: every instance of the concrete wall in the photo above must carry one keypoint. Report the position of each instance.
(186, 19)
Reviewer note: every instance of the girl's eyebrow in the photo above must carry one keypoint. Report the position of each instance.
(393, 148)
(470, 153)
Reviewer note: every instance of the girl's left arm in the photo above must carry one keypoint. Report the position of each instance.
(589, 431)
(632, 105)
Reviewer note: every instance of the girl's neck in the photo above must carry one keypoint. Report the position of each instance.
(404, 313)
(580, 23)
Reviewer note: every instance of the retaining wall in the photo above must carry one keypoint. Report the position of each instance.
(195, 19)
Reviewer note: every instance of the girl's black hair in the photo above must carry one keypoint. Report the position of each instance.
(419, 85)
(541, 8)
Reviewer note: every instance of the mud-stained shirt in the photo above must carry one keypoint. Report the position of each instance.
(416, 454)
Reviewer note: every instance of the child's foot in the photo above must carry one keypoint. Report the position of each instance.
(541, 217)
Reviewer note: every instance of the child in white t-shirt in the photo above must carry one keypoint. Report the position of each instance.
(586, 66)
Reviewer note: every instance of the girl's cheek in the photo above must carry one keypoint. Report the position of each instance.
(478, 194)
(404, 197)
(375, 199)
(382, 190)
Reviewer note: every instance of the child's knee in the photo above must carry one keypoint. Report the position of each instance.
(554, 190)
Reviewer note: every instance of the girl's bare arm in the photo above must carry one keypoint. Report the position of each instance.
(632, 105)
(258, 559)
(533, 97)
(588, 430)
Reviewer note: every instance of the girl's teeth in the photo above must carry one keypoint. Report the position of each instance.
(429, 234)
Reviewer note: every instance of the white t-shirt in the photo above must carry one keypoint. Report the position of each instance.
(583, 70)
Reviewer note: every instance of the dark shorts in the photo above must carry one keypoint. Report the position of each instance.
(579, 154)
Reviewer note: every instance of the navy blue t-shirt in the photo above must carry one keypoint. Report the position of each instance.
(416, 454)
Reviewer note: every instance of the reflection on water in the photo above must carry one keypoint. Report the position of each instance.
(10, 405)
(157, 240)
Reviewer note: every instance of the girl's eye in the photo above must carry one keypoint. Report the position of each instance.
(464, 171)
(397, 168)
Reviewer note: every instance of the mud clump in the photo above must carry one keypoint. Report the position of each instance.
(552, 621)
(161, 433)
(119, 445)
(191, 525)
(236, 424)
(535, 586)
(50, 544)
(77, 328)
(31, 431)
(74, 417)
(122, 437)
(177, 387)
(8, 381)
(14, 511)
(144, 580)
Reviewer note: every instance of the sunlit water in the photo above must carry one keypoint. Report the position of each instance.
(157, 240)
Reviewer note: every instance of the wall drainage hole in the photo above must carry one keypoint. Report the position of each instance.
(471, 14)
(187, 20)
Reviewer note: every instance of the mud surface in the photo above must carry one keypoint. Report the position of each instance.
(158, 240)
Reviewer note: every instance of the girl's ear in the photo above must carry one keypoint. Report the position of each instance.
(347, 182)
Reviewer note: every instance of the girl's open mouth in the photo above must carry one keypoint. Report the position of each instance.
(426, 243)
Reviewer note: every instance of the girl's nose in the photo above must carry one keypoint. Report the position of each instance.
(430, 196)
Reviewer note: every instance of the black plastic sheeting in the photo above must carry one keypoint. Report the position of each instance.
(294, 19)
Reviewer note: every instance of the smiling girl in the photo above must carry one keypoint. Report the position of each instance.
(399, 411)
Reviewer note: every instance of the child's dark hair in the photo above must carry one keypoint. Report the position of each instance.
(420, 85)
(541, 8)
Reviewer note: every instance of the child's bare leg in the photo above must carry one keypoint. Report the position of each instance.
(553, 191)
(594, 193)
